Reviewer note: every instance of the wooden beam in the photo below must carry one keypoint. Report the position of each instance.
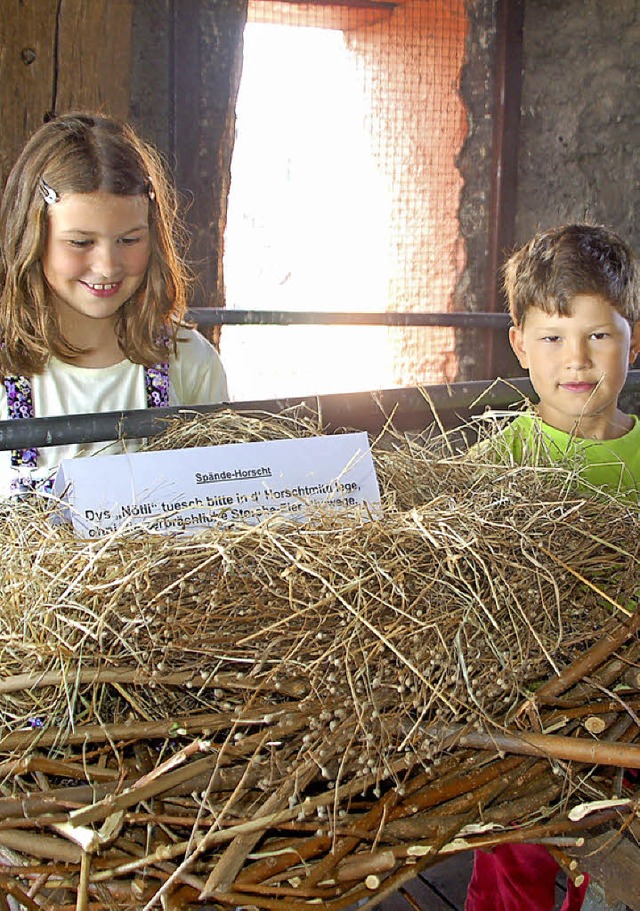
(348, 4)
(336, 14)
(27, 72)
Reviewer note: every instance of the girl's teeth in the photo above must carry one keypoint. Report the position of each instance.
(103, 287)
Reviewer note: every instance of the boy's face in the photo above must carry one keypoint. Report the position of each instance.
(578, 365)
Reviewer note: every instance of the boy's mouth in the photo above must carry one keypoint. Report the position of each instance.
(579, 387)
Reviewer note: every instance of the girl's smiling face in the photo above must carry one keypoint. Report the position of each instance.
(578, 365)
(96, 254)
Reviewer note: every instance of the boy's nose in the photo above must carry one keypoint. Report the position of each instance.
(577, 355)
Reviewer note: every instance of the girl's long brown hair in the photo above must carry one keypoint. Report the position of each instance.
(85, 153)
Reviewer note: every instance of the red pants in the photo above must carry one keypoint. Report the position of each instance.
(518, 878)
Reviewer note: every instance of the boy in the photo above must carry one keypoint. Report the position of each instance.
(574, 298)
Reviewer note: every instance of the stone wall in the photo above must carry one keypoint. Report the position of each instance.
(580, 117)
(579, 132)
(474, 161)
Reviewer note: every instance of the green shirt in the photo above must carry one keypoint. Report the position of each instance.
(609, 465)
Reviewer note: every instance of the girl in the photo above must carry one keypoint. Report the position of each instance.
(93, 291)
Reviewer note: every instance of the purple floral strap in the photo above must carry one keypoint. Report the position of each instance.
(20, 405)
(156, 382)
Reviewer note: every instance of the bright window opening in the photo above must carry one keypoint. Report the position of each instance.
(332, 207)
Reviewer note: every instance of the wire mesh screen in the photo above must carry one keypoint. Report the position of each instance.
(345, 191)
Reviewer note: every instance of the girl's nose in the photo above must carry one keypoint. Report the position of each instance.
(106, 262)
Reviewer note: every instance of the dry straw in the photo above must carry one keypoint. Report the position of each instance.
(303, 715)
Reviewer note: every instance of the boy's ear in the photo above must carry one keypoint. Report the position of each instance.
(517, 343)
(634, 347)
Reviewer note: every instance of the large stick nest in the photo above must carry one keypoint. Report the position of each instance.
(291, 714)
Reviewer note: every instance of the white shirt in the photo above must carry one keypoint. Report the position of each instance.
(196, 377)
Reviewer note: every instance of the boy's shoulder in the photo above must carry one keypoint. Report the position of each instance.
(527, 439)
(609, 466)
(511, 440)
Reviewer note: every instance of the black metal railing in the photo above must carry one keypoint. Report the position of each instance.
(411, 408)
(207, 317)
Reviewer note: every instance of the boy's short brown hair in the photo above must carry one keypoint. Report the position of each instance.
(556, 265)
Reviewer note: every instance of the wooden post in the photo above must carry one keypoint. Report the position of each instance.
(207, 64)
(94, 57)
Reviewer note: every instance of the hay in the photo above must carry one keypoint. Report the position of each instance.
(289, 716)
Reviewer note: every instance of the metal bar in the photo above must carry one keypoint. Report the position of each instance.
(219, 316)
(354, 4)
(411, 408)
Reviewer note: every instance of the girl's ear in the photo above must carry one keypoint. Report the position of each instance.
(517, 343)
(634, 346)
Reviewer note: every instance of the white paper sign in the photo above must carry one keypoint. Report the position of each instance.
(189, 489)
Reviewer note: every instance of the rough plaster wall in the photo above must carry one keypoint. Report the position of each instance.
(474, 163)
(579, 132)
(580, 120)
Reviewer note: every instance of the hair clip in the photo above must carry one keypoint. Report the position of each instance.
(151, 193)
(49, 195)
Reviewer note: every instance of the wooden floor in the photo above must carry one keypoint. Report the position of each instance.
(440, 888)
(443, 888)
(613, 865)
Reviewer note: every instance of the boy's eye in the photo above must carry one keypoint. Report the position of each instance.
(598, 336)
(551, 338)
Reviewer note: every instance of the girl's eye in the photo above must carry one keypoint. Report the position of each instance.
(599, 336)
(128, 241)
(80, 244)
